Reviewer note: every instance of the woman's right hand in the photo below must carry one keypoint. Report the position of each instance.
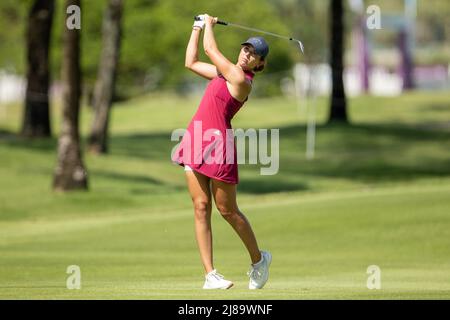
(210, 20)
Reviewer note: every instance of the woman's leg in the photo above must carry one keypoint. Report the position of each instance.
(200, 191)
(225, 199)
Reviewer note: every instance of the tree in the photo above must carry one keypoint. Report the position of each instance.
(144, 66)
(36, 120)
(338, 108)
(104, 87)
(70, 172)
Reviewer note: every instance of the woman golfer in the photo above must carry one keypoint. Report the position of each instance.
(211, 164)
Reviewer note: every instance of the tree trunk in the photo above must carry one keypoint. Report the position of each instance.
(36, 119)
(70, 172)
(338, 108)
(104, 87)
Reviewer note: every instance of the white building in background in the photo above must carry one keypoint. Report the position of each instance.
(12, 87)
(382, 81)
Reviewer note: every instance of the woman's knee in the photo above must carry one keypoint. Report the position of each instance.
(227, 211)
(202, 207)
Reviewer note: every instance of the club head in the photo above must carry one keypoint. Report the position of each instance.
(300, 44)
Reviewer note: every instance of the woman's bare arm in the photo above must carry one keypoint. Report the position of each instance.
(203, 69)
(234, 74)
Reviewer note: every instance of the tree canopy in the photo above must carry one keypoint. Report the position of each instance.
(156, 32)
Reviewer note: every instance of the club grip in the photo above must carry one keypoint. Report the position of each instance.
(197, 18)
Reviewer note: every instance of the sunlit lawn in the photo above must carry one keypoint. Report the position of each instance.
(376, 193)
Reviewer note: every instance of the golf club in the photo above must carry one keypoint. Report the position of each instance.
(300, 44)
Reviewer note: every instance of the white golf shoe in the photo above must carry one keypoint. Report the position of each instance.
(259, 274)
(214, 280)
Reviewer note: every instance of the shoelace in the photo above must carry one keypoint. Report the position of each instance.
(218, 276)
(254, 273)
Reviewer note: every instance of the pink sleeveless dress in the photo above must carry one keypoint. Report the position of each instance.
(208, 144)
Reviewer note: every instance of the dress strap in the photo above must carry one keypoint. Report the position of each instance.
(249, 75)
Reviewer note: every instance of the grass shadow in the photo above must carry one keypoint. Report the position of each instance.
(130, 178)
(370, 152)
(263, 185)
(364, 152)
(14, 140)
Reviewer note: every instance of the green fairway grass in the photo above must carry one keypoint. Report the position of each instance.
(376, 193)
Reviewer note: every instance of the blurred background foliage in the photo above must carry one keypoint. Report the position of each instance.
(156, 32)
